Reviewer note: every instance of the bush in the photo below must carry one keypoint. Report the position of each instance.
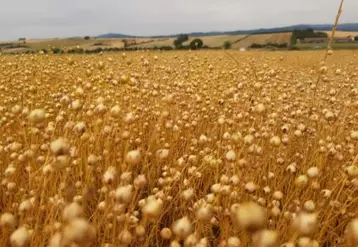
(227, 45)
(98, 50)
(87, 37)
(255, 46)
(75, 50)
(177, 44)
(294, 48)
(185, 47)
(56, 50)
(165, 48)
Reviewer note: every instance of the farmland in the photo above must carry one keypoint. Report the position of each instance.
(263, 39)
(71, 43)
(179, 148)
(237, 41)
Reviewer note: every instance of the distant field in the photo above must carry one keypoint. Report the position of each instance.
(341, 34)
(114, 42)
(85, 44)
(217, 41)
(64, 44)
(274, 38)
(157, 42)
(238, 41)
(69, 43)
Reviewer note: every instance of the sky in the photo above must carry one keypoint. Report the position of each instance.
(69, 18)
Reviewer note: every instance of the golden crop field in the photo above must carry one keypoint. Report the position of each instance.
(202, 148)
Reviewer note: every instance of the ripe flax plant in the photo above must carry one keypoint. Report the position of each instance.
(177, 149)
(328, 52)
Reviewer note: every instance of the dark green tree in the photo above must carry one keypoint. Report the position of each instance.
(227, 45)
(23, 40)
(87, 37)
(306, 33)
(196, 44)
(183, 37)
(178, 43)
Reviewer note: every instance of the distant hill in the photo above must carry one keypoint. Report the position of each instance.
(350, 27)
(114, 35)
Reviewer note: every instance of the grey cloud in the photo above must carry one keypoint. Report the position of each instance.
(63, 18)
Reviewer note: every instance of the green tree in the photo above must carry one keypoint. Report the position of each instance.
(177, 43)
(306, 33)
(87, 37)
(196, 44)
(23, 40)
(181, 38)
(227, 45)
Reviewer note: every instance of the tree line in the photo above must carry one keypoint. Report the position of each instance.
(306, 33)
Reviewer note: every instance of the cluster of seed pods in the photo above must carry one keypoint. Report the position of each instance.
(175, 149)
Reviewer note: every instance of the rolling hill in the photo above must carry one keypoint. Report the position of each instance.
(348, 27)
(114, 35)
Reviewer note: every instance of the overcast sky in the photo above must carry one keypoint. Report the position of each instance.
(65, 18)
